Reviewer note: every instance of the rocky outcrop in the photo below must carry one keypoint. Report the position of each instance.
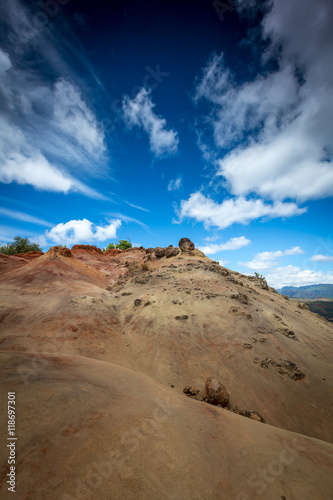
(186, 245)
(56, 252)
(112, 252)
(216, 393)
(160, 252)
(89, 248)
(171, 251)
(28, 255)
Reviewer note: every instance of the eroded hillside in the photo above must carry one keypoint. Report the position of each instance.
(99, 348)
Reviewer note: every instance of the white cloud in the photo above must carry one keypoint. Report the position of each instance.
(82, 231)
(127, 219)
(175, 184)
(296, 276)
(74, 118)
(322, 258)
(231, 211)
(278, 126)
(267, 260)
(139, 112)
(49, 135)
(13, 214)
(223, 262)
(138, 207)
(232, 244)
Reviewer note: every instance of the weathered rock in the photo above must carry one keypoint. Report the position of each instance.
(302, 305)
(90, 248)
(28, 255)
(172, 252)
(137, 302)
(159, 252)
(56, 251)
(186, 245)
(112, 252)
(216, 393)
(149, 250)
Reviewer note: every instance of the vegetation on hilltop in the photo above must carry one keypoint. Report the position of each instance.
(122, 245)
(20, 245)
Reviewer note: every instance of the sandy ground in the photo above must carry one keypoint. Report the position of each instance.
(98, 351)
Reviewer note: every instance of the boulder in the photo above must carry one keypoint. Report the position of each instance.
(216, 393)
(159, 252)
(56, 251)
(172, 252)
(186, 245)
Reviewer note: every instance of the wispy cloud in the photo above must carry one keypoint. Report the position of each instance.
(81, 231)
(232, 244)
(175, 184)
(50, 137)
(136, 206)
(277, 127)
(139, 112)
(13, 214)
(268, 260)
(231, 211)
(322, 258)
(127, 219)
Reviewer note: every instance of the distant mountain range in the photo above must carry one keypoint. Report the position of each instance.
(308, 292)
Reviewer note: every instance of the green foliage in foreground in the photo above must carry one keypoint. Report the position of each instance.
(122, 245)
(260, 277)
(20, 245)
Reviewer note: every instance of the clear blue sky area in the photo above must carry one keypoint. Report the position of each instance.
(160, 120)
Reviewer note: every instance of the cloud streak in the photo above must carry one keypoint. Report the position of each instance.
(13, 214)
(50, 137)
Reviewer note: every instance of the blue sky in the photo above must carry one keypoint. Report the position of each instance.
(160, 120)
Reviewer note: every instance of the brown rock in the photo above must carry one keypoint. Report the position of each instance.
(55, 252)
(186, 245)
(172, 252)
(112, 252)
(159, 252)
(90, 248)
(216, 393)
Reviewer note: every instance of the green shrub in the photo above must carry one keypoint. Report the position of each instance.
(124, 245)
(110, 246)
(20, 245)
(260, 277)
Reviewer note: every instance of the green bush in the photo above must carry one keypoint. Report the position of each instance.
(260, 277)
(124, 245)
(20, 245)
(110, 246)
